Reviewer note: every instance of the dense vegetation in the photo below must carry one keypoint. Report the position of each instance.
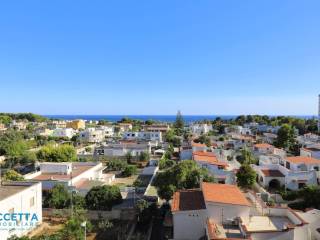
(185, 175)
(6, 118)
(60, 153)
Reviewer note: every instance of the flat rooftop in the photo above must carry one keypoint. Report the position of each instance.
(225, 231)
(265, 223)
(9, 189)
(77, 169)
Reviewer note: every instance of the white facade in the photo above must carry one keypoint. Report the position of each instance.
(66, 173)
(20, 197)
(92, 135)
(200, 128)
(63, 132)
(222, 213)
(107, 129)
(121, 149)
(189, 225)
(147, 136)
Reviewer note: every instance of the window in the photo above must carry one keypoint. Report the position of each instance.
(32, 202)
(288, 165)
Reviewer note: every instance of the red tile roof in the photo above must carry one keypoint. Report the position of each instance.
(223, 193)
(263, 145)
(187, 200)
(207, 157)
(302, 159)
(194, 144)
(272, 173)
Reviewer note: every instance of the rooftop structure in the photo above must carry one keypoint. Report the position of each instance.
(20, 197)
(223, 193)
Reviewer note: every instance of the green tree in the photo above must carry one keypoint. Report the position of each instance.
(103, 197)
(204, 139)
(129, 157)
(73, 228)
(61, 153)
(116, 165)
(58, 197)
(185, 175)
(12, 175)
(246, 157)
(246, 176)
(129, 170)
(286, 137)
(144, 157)
(179, 123)
(165, 163)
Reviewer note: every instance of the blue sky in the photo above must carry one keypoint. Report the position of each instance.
(155, 57)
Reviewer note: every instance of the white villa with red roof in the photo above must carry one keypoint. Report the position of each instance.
(215, 166)
(223, 212)
(293, 172)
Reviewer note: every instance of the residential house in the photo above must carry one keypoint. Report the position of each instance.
(292, 172)
(163, 128)
(269, 137)
(125, 127)
(43, 132)
(223, 212)
(54, 124)
(80, 176)
(107, 129)
(19, 198)
(145, 136)
(63, 132)
(215, 166)
(312, 151)
(92, 135)
(263, 148)
(200, 128)
(19, 125)
(123, 148)
(76, 124)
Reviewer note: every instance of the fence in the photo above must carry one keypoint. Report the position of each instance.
(121, 214)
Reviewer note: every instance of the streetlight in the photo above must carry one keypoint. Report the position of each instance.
(84, 225)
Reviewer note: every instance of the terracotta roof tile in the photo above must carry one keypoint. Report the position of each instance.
(194, 144)
(263, 145)
(272, 173)
(302, 159)
(223, 193)
(207, 157)
(187, 200)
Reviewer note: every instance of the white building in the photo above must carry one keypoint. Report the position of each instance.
(121, 149)
(125, 127)
(19, 198)
(19, 125)
(312, 151)
(238, 130)
(293, 172)
(215, 166)
(145, 136)
(92, 135)
(107, 129)
(71, 174)
(64, 132)
(200, 128)
(223, 212)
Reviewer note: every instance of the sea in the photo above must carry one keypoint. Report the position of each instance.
(158, 118)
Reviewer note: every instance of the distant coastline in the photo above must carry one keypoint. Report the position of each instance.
(160, 118)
